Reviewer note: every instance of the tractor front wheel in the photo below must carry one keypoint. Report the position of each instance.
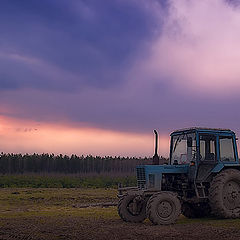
(163, 208)
(132, 208)
(224, 194)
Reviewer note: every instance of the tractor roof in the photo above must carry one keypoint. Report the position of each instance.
(202, 129)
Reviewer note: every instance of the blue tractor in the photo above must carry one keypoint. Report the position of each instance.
(202, 178)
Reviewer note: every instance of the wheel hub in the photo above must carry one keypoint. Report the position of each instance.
(134, 207)
(231, 195)
(164, 209)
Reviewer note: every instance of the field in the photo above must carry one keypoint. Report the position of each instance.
(59, 213)
(64, 181)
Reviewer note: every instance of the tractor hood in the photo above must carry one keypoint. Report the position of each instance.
(150, 176)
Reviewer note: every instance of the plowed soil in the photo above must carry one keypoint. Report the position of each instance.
(81, 228)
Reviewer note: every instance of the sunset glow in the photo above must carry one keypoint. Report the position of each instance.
(29, 137)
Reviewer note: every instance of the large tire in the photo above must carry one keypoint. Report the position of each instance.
(163, 208)
(224, 194)
(126, 212)
(196, 211)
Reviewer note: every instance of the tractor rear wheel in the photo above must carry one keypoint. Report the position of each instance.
(224, 194)
(163, 208)
(196, 211)
(132, 208)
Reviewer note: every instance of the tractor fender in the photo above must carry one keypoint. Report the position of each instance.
(220, 166)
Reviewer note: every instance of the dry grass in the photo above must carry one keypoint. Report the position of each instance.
(37, 202)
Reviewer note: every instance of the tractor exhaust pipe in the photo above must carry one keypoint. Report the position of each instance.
(155, 156)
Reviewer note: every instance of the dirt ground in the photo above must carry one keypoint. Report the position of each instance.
(81, 228)
(54, 214)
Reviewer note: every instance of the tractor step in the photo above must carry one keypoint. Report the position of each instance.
(200, 190)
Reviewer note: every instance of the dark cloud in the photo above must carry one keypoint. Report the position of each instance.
(234, 2)
(91, 42)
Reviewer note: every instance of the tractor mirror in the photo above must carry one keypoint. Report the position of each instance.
(189, 142)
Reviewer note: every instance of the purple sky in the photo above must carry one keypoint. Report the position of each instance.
(121, 65)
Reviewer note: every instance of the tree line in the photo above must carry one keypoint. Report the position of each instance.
(63, 164)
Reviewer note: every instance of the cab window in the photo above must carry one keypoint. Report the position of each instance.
(207, 147)
(226, 149)
(183, 149)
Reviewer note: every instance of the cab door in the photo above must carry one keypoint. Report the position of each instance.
(207, 155)
(227, 151)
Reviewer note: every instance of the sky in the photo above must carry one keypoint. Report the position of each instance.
(96, 77)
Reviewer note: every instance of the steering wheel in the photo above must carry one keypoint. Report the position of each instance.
(195, 155)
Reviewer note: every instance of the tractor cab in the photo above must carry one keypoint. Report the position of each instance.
(203, 145)
(204, 150)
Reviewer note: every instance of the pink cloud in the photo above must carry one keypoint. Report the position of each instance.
(198, 48)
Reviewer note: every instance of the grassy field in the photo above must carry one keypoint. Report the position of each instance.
(55, 201)
(54, 213)
(64, 181)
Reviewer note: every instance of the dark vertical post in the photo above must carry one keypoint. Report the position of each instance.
(156, 157)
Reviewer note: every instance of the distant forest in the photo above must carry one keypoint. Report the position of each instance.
(63, 164)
